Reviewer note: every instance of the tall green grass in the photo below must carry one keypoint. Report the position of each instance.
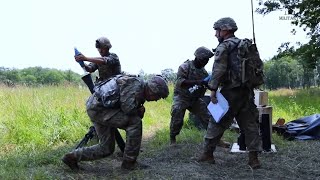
(36, 124)
(41, 117)
(292, 104)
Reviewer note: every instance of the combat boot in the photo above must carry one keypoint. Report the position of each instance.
(173, 140)
(224, 144)
(132, 165)
(71, 160)
(254, 162)
(206, 157)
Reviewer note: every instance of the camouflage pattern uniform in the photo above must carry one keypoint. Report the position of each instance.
(240, 98)
(183, 99)
(112, 64)
(125, 117)
(109, 68)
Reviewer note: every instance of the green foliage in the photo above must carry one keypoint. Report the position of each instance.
(169, 74)
(38, 76)
(308, 54)
(282, 73)
(306, 14)
(290, 72)
(30, 79)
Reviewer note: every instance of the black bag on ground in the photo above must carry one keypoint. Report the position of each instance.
(306, 128)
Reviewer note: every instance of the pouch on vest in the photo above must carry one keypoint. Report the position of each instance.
(252, 65)
(108, 93)
(247, 66)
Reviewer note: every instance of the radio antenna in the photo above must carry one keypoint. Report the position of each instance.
(252, 19)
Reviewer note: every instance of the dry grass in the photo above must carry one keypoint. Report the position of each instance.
(284, 92)
(295, 160)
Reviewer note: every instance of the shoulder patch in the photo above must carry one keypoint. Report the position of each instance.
(220, 49)
(217, 53)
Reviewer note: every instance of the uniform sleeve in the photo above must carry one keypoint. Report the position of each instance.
(112, 59)
(182, 73)
(131, 96)
(219, 66)
(92, 66)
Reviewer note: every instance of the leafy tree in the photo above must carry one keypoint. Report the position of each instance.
(71, 76)
(53, 77)
(283, 72)
(3, 73)
(169, 74)
(306, 14)
(13, 75)
(29, 80)
(38, 72)
(37, 76)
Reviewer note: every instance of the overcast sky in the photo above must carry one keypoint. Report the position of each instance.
(148, 35)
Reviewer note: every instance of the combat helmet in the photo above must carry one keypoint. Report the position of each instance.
(225, 23)
(203, 53)
(103, 42)
(158, 85)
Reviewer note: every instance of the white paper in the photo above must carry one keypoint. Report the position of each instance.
(220, 109)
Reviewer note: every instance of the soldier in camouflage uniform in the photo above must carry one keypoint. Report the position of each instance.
(127, 115)
(190, 73)
(107, 65)
(240, 98)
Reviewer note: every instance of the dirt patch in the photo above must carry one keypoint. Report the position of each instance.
(300, 160)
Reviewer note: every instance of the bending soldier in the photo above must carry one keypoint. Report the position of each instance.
(108, 65)
(124, 112)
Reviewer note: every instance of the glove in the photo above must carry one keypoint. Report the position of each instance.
(205, 81)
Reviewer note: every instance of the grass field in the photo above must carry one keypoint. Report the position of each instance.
(291, 104)
(39, 125)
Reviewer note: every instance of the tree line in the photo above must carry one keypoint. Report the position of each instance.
(37, 76)
(288, 72)
(285, 70)
(295, 65)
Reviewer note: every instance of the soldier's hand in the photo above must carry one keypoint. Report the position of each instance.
(141, 112)
(80, 57)
(194, 82)
(206, 80)
(198, 82)
(214, 99)
(204, 83)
